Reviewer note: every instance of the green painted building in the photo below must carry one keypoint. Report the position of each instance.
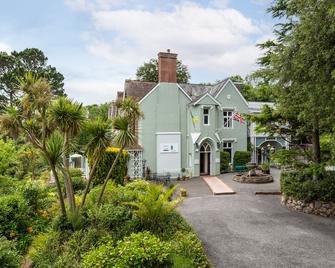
(185, 125)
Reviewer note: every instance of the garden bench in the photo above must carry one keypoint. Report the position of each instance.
(164, 178)
(240, 168)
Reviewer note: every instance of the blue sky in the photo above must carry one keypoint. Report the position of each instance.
(97, 44)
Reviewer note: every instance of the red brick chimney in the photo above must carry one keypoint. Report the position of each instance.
(167, 67)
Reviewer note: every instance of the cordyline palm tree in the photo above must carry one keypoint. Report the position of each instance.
(68, 116)
(55, 150)
(98, 133)
(31, 118)
(130, 108)
(123, 136)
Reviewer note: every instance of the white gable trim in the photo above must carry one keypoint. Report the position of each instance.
(152, 90)
(207, 94)
(182, 90)
(238, 92)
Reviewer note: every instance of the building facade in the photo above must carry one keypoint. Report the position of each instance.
(185, 125)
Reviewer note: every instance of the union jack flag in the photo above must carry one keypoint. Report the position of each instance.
(238, 117)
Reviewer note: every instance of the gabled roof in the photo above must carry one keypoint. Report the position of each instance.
(139, 89)
(200, 98)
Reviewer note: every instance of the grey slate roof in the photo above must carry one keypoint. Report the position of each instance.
(138, 89)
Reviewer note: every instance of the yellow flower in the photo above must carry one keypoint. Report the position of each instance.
(115, 150)
(30, 229)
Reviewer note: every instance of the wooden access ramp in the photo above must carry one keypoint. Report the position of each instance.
(217, 186)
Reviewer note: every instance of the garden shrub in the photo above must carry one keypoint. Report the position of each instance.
(45, 249)
(189, 246)
(120, 169)
(8, 157)
(155, 205)
(8, 185)
(118, 220)
(78, 244)
(137, 250)
(14, 216)
(241, 158)
(300, 186)
(224, 161)
(9, 256)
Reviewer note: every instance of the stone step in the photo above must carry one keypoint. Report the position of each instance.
(217, 186)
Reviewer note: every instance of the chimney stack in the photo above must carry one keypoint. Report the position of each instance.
(167, 67)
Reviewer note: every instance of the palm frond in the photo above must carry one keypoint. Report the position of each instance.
(123, 132)
(54, 147)
(67, 115)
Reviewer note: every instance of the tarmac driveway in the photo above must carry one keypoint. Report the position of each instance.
(248, 230)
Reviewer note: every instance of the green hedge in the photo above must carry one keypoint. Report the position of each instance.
(300, 186)
(120, 170)
(224, 161)
(241, 158)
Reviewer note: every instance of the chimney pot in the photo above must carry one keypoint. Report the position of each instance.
(167, 67)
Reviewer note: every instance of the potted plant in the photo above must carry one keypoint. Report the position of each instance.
(183, 192)
(265, 168)
(183, 173)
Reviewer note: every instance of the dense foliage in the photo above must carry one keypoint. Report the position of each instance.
(300, 64)
(16, 64)
(300, 186)
(120, 170)
(137, 250)
(224, 161)
(113, 235)
(241, 158)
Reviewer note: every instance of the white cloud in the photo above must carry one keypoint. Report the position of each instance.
(204, 37)
(76, 4)
(5, 47)
(92, 91)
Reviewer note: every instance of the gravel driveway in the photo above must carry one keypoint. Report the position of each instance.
(248, 230)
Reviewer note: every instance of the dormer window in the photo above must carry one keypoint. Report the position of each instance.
(206, 116)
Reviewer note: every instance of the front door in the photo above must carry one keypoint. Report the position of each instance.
(205, 159)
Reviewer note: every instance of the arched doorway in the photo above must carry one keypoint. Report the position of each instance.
(265, 149)
(205, 159)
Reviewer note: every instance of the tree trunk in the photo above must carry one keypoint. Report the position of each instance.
(90, 178)
(316, 142)
(67, 177)
(109, 174)
(59, 189)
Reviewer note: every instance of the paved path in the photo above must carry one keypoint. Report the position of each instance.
(248, 230)
(217, 186)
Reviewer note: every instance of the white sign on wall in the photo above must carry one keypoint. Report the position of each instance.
(169, 148)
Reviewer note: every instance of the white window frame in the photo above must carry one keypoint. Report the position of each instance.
(231, 148)
(228, 117)
(206, 115)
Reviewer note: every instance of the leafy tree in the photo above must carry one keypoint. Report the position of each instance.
(16, 64)
(149, 72)
(300, 64)
(98, 111)
(254, 88)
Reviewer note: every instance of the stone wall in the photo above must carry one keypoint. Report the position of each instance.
(325, 209)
